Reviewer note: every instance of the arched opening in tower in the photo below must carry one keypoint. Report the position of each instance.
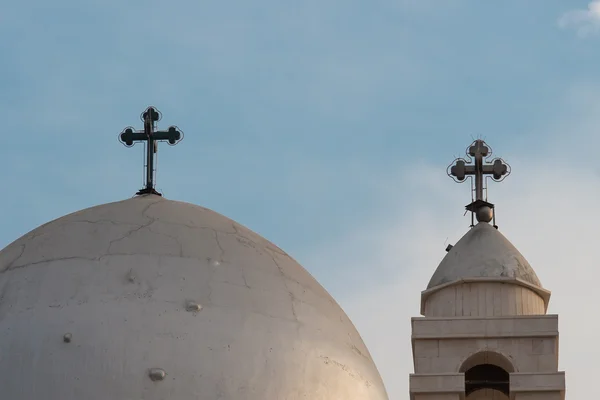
(487, 380)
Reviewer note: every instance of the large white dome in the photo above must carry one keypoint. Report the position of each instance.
(154, 299)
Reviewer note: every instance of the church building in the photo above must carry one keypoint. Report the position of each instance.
(484, 333)
(156, 299)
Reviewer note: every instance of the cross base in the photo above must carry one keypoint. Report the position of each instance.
(147, 191)
(477, 204)
(487, 216)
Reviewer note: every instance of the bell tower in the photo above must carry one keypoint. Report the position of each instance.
(484, 333)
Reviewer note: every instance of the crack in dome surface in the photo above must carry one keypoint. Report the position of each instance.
(120, 278)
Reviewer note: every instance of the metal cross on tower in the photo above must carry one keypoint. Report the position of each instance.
(150, 136)
(478, 153)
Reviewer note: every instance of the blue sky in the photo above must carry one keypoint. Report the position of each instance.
(324, 126)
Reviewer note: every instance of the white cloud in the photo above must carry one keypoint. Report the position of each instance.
(547, 208)
(585, 22)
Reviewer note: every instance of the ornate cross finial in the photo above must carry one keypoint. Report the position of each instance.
(151, 136)
(478, 153)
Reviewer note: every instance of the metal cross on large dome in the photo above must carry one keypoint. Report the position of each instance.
(475, 166)
(150, 136)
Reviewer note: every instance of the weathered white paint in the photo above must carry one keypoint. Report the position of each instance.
(149, 284)
(483, 252)
(484, 299)
(484, 275)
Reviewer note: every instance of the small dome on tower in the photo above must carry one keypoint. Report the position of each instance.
(483, 252)
(157, 299)
(484, 275)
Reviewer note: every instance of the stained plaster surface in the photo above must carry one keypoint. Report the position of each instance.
(483, 252)
(152, 287)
